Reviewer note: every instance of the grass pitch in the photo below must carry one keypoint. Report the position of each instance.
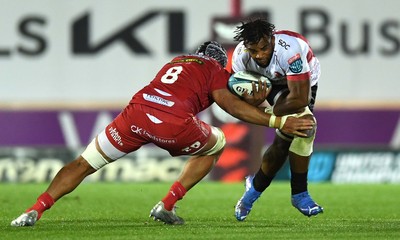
(120, 211)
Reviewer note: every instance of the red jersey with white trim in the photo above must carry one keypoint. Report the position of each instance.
(183, 86)
(292, 59)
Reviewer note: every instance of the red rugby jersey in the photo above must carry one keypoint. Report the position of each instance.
(183, 86)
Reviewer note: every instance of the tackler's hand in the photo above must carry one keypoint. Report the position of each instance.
(300, 126)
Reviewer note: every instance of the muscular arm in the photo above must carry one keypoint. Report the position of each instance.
(296, 100)
(240, 109)
(248, 113)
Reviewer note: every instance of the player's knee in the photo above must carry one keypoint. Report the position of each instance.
(93, 156)
(302, 146)
(282, 138)
(219, 144)
(307, 114)
(83, 166)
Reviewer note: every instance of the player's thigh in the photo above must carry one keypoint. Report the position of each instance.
(122, 136)
(197, 137)
(282, 140)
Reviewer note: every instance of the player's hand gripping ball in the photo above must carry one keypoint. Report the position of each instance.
(241, 81)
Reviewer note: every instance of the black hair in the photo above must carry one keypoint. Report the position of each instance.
(253, 31)
(214, 50)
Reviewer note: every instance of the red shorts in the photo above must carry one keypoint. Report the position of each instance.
(138, 125)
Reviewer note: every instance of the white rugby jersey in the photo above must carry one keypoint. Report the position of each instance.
(292, 59)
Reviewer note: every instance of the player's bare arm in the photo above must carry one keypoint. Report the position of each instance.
(296, 100)
(248, 113)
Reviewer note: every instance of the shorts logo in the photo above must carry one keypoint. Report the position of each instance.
(295, 64)
(140, 131)
(136, 129)
(192, 147)
(115, 135)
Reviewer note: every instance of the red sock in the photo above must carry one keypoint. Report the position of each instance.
(176, 192)
(44, 202)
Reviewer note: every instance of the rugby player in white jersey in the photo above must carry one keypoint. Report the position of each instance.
(287, 60)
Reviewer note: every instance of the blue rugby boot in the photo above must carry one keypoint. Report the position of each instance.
(304, 203)
(245, 203)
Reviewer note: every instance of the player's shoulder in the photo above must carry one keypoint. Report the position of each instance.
(240, 56)
(240, 51)
(289, 44)
(287, 40)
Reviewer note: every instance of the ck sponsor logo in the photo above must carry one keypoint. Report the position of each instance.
(115, 135)
(136, 129)
(143, 132)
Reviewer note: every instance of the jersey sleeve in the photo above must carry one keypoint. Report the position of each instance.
(297, 60)
(239, 57)
(220, 80)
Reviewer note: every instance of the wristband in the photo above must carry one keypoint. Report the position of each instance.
(276, 122)
(272, 119)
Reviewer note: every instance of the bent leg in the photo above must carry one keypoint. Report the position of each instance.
(69, 177)
(65, 181)
(299, 158)
(196, 168)
(275, 156)
(273, 160)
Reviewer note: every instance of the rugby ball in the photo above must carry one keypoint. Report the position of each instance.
(241, 81)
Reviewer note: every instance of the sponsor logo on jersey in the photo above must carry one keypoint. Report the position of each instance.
(283, 44)
(115, 135)
(294, 58)
(158, 100)
(295, 63)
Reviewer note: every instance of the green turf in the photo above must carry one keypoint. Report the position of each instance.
(120, 211)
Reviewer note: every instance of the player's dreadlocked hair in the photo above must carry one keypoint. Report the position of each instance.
(253, 31)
